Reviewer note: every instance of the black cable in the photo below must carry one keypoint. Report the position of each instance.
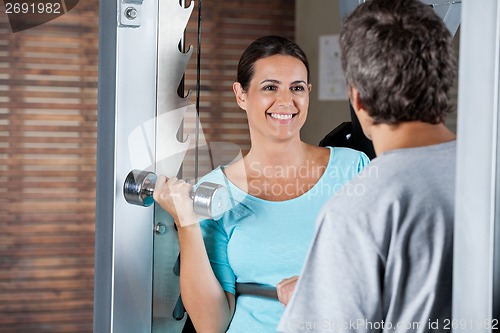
(198, 70)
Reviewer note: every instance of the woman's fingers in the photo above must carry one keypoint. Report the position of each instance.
(285, 289)
(159, 187)
(173, 195)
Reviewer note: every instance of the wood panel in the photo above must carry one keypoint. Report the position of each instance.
(48, 112)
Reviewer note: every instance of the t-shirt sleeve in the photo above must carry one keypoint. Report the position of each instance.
(216, 240)
(340, 286)
(363, 161)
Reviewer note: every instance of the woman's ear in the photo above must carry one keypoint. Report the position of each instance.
(240, 95)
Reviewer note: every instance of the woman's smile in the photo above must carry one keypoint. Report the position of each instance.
(282, 118)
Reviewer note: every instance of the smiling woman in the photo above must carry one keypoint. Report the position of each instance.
(275, 107)
(265, 235)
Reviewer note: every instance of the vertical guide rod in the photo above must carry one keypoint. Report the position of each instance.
(181, 90)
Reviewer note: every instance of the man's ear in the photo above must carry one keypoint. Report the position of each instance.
(240, 95)
(364, 118)
(354, 97)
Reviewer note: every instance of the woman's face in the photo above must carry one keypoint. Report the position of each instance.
(277, 99)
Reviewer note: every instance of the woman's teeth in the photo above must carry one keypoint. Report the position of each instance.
(281, 116)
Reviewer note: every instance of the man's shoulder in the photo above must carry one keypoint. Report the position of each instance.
(384, 180)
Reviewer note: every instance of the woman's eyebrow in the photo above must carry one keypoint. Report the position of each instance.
(270, 81)
(278, 82)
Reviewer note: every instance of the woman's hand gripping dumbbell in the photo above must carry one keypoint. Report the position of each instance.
(176, 196)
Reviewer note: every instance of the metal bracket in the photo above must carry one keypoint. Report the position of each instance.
(130, 13)
(449, 11)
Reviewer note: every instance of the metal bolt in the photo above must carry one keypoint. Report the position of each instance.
(160, 228)
(131, 13)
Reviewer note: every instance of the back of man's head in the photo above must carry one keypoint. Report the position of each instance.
(398, 55)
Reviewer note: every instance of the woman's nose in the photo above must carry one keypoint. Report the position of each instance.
(285, 98)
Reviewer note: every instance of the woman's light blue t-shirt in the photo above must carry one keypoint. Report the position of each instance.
(261, 241)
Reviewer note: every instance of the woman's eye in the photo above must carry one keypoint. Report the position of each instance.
(269, 88)
(297, 88)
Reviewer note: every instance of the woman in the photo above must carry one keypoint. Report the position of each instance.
(276, 191)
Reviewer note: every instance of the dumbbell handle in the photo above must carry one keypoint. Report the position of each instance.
(209, 200)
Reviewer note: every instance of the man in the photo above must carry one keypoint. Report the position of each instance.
(381, 259)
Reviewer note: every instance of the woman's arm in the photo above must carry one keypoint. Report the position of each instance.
(209, 307)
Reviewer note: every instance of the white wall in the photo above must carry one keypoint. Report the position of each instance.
(314, 18)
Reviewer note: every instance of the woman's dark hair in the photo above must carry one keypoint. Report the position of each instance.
(398, 55)
(265, 47)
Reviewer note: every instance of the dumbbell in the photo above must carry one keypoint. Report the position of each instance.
(209, 200)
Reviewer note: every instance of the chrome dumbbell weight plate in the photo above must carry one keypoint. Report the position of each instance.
(139, 187)
(209, 200)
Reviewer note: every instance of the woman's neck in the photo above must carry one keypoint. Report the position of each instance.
(279, 164)
(283, 153)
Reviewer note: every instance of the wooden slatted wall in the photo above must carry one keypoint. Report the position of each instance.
(48, 98)
(48, 101)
